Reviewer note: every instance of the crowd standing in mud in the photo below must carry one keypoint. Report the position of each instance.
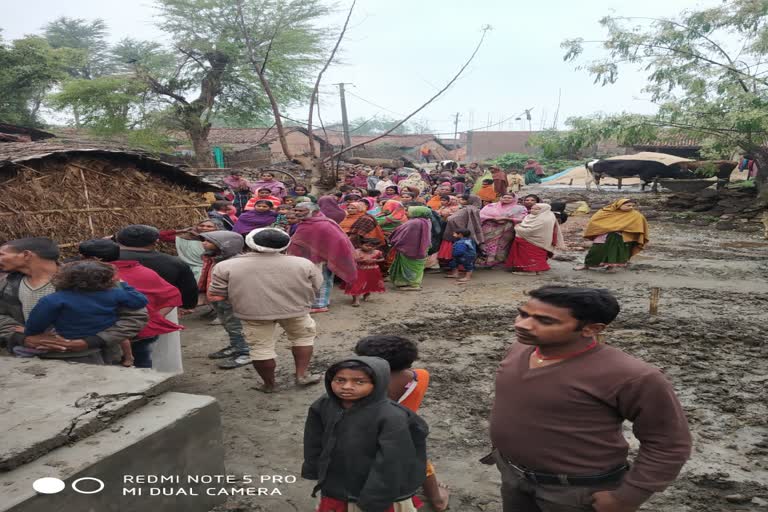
(268, 256)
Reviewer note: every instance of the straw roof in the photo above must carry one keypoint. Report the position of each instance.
(16, 154)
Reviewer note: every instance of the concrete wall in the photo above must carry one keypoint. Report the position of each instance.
(176, 434)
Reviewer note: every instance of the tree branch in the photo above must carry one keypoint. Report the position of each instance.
(692, 55)
(159, 88)
(263, 80)
(269, 47)
(423, 106)
(190, 55)
(313, 98)
(719, 48)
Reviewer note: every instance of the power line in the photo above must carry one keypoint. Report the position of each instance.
(374, 104)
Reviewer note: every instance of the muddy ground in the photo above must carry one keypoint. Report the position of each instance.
(709, 337)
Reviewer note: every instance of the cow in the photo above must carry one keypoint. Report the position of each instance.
(724, 170)
(648, 171)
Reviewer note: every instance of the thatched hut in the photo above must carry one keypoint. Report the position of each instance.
(73, 192)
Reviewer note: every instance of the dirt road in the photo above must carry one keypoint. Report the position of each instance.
(709, 337)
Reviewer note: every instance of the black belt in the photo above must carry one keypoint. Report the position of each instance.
(582, 481)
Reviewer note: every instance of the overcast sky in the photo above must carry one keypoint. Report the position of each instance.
(398, 53)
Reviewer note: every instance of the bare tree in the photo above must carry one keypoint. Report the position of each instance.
(322, 180)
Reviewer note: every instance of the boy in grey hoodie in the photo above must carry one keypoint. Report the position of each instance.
(365, 451)
(220, 246)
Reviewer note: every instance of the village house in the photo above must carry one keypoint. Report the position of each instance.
(75, 191)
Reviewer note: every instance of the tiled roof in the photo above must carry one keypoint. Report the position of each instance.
(400, 141)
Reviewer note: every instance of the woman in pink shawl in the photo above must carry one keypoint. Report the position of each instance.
(329, 205)
(322, 241)
(411, 241)
(498, 222)
(267, 180)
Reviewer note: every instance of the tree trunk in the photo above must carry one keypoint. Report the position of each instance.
(322, 177)
(199, 137)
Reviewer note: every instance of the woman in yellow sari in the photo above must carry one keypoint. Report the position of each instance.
(618, 232)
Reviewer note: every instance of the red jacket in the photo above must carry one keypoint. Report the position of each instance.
(159, 293)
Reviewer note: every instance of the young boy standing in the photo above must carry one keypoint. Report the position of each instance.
(464, 252)
(407, 386)
(366, 452)
(220, 246)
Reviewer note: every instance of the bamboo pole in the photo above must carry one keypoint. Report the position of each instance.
(87, 202)
(655, 295)
(115, 209)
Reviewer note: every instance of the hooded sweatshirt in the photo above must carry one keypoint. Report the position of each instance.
(230, 244)
(372, 454)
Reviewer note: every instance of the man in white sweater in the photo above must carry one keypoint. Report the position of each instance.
(267, 288)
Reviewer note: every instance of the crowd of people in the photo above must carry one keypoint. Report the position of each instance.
(269, 256)
(408, 221)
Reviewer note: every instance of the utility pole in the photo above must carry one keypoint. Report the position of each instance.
(456, 131)
(344, 120)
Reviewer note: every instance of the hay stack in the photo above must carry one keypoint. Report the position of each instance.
(71, 198)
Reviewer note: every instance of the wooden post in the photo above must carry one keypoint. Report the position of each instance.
(87, 202)
(655, 294)
(619, 180)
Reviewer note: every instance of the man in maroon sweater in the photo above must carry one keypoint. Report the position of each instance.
(561, 399)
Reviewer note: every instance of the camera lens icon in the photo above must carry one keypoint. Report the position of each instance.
(50, 485)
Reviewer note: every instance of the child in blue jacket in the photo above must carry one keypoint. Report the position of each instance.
(464, 254)
(87, 297)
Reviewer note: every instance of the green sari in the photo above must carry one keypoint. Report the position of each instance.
(407, 271)
(614, 252)
(531, 177)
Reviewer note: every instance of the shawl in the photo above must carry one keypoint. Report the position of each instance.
(434, 202)
(251, 219)
(395, 210)
(487, 193)
(236, 184)
(535, 166)
(541, 229)
(500, 183)
(413, 238)
(362, 225)
(191, 252)
(632, 225)
(394, 196)
(373, 206)
(360, 180)
(413, 181)
(276, 187)
(331, 209)
(479, 182)
(498, 211)
(382, 185)
(453, 207)
(321, 240)
(467, 217)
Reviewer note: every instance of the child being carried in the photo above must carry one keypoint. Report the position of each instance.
(87, 298)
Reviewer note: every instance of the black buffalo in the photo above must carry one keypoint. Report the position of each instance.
(723, 173)
(648, 171)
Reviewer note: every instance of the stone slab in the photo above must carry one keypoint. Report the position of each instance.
(175, 435)
(48, 404)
